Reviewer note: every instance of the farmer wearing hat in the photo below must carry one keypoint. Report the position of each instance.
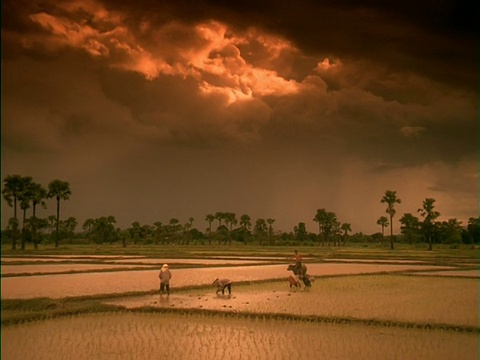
(165, 275)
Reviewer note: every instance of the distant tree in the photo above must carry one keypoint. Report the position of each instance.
(186, 230)
(244, 234)
(320, 218)
(219, 216)
(36, 226)
(68, 227)
(429, 215)
(60, 190)
(230, 220)
(473, 229)
(345, 228)
(39, 194)
(210, 218)
(450, 231)
(174, 225)
(383, 222)
(25, 197)
(222, 234)
(87, 227)
(390, 198)
(328, 225)
(245, 222)
(104, 230)
(270, 229)
(260, 230)
(158, 231)
(410, 227)
(13, 186)
(300, 232)
(51, 224)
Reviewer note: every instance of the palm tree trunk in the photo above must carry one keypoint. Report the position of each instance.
(14, 230)
(57, 236)
(34, 228)
(23, 228)
(391, 233)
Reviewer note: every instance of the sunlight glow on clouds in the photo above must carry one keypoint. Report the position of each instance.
(207, 51)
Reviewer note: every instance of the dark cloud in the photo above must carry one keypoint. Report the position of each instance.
(269, 108)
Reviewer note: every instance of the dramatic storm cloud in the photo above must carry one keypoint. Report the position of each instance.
(175, 109)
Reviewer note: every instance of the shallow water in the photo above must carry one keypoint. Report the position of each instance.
(397, 298)
(168, 336)
(62, 285)
(56, 268)
(456, 273)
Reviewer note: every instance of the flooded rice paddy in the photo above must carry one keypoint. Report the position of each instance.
(387, 308)
(62, 285)
(394, 298)
(169, 336)
(59, 268)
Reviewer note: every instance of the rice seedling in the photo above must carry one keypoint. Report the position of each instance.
(187, 336)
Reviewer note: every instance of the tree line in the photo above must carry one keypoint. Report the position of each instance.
(23, 192)
(223, 227)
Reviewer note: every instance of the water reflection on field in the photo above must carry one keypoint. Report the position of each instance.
(57, 286)
(58, 268)
(392, 297)
(136, 260)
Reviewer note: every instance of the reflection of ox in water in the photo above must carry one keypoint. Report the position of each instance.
(299, 274)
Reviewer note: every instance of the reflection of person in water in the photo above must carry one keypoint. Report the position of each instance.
(223, 284)
(165, 275)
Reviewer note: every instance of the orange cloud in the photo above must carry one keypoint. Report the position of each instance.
(208, 52)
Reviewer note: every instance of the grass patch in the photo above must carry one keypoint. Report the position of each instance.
(21, 311)
(351, 251)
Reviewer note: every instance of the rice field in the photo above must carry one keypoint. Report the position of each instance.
(354, 310)
(378, 298)
(93, 283)
(168, 336)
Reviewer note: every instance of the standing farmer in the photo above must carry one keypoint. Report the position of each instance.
(223, 284)
(165, 275)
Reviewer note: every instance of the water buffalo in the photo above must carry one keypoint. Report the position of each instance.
(301, 273)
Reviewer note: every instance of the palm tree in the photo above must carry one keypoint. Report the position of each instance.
(25, 196)
(270, 228)
(60, 190)
(328, 225)
(39, 193)
(245, 222)
(209, 218)
(473, 229)
(174, 226)
(219, 216)
(12, 188)
(383, 222)
(429, 215)
(260, 229)
(158, 231)
(410, 227)
(88, 227)
(186, 230)
(345, 228)
(319, 218)
(230, 219)
(390, 198)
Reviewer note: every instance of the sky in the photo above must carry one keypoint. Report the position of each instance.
(153, 110)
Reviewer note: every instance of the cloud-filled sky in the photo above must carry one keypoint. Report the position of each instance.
(154, 110)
